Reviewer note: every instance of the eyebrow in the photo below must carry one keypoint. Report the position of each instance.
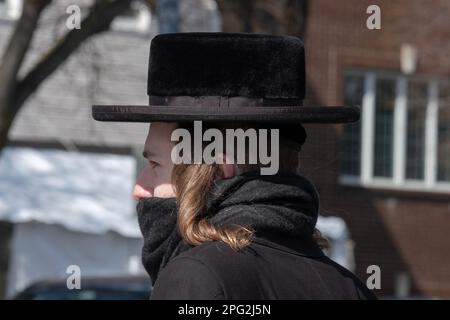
(147, 154)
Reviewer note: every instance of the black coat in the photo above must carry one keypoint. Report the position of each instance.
(272, 267)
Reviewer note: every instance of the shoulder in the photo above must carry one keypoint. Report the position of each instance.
(194, 274)
(210, 252)
(337, 274)
(217, 256)
(211, 270)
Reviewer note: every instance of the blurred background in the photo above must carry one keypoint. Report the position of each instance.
(66, 180)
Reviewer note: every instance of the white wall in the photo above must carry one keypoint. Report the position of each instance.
(41, 251)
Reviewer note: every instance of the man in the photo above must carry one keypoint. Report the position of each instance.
(225, 229)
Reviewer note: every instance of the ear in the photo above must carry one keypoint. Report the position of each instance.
(229, 168)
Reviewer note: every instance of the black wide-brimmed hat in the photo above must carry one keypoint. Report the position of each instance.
(226, 77)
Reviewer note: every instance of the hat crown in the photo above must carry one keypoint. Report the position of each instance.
(227, 64)
(226, 77)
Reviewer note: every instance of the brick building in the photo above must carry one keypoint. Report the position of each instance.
(388, 176)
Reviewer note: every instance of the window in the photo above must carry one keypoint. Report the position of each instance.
(444, 133)
(415, 142)
(354, 89)
(384, 116)
(403, 137)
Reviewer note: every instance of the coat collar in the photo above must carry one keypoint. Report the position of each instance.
(294, 245)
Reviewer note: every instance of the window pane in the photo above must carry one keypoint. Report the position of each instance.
(384, 116)
(444, 133)
(351, 140)
(415, 143)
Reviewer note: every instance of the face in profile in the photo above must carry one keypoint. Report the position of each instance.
(155, 178)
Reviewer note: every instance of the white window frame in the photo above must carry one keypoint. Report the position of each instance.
(398, 180)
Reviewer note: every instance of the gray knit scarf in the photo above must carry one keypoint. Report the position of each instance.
(285, 204)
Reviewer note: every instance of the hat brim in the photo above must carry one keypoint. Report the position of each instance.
(291, 114)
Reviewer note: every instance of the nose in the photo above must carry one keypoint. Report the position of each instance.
(142, 188)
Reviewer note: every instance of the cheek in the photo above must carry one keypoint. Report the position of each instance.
(164, 190)
(163, 187)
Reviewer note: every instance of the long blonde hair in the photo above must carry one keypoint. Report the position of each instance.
(193, 182)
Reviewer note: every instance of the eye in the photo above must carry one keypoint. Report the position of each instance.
(153, 164)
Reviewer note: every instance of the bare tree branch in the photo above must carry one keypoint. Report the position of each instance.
(14, 92)
(12, 61)
(18, 47)
(99, 19)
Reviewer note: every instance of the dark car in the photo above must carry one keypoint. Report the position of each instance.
(92, 288)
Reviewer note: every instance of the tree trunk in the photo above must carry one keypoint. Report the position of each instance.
(12, 60)
(14, 92)
(286, 17)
